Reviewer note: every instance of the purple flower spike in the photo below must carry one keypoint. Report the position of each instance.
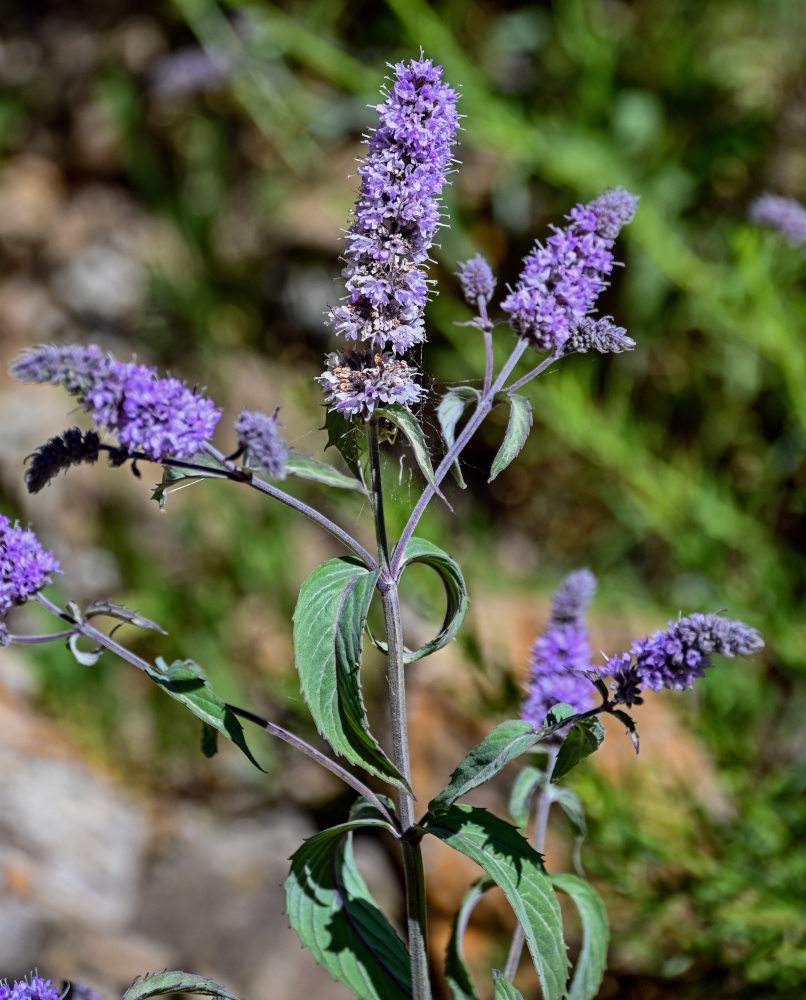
(396, 216)
(477, 280)
(356, 382)
(675, 657)
(784, 214)
(160, 417)
(34, 988)
(562, 280)
(25, 567)
(561, 655)
(260, 438)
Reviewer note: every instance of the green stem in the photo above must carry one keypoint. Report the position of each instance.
(410, 844)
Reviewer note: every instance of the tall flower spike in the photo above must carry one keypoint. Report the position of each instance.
(784, 214)
(160, 417)
(395, 218)
(674, 658)
(562, 280)
(561, 655)
(25, 567)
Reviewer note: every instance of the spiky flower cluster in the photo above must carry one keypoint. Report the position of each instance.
(261, 440)
(784, 214)
(160, 417)
(477, 280)
(561, 281)
(25, 567)
(600, 335)
(674, 658)
(395, 218)
(561, 655)
(357, 381)
(34, 988)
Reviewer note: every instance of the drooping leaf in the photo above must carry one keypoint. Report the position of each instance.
(592, 961)
(418, 550)
(516, 868)
(520, 423)
(332, 911)
(308, 467)
(159, 984)
(348, 440)
(503, 988)
(451, 407)
(123, 614)
(86, 657)
(457, 971)
(508, 740)
(629, 724)
(328, 631)
(209, 740)
(520, 798)
(568, 800)
(405, 421)
(187, 682)
(583, 739)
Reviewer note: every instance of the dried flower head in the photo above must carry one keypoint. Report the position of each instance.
(73, 447)
(160, 417)
(784, 214)
(600, 335)
(357, 381)
(477, 280)
(25, 567)
(561, 281)
(259, 436)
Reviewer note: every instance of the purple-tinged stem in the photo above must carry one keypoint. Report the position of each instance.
(42, 638)
(544, 364)
(486, 327)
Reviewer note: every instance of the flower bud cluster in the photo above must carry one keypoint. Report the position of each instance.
(261, 440)
(562, 280)
(394, 221)
(160, 417)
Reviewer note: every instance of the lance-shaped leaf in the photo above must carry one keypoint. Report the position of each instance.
(520, 798)
(418, 550)
(307, 467)
(187, 682)
(159, 984)
(175, 478)
(583, 739)
(332, 911)
(503, 988)
(328, 631)
(405, 421)
(520, 423)
(123, 614)
(457, 971)
(501, 745)
(517, 869)
(592, 961)
(451, 407)
(348, 440)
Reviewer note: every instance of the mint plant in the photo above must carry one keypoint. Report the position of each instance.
(370, 386)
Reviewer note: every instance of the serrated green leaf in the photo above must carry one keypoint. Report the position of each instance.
(592, 961)
(161, 983)
(457, 971)
(308, 467)
(520, 798)
(332, 911)
(520, 423)
(418, 550)
(517, 869)
(187, 682)
(451, 407)
(503, 988)
(329, 625)
(405, 421)
(348, 439)
(583, 739)
(501, 745)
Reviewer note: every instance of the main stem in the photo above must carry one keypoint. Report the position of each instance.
(410, 843)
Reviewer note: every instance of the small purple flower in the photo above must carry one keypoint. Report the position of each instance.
(357, 381)
(600, 335)
(561, 281)
(674, 658)
(560, 657)
(34, 988)
(263, 443)
(25, 567)
(160, 417)
(477, 280)
(784, 214)
(395, 218)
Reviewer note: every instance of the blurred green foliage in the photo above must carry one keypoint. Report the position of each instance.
(676, 473)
